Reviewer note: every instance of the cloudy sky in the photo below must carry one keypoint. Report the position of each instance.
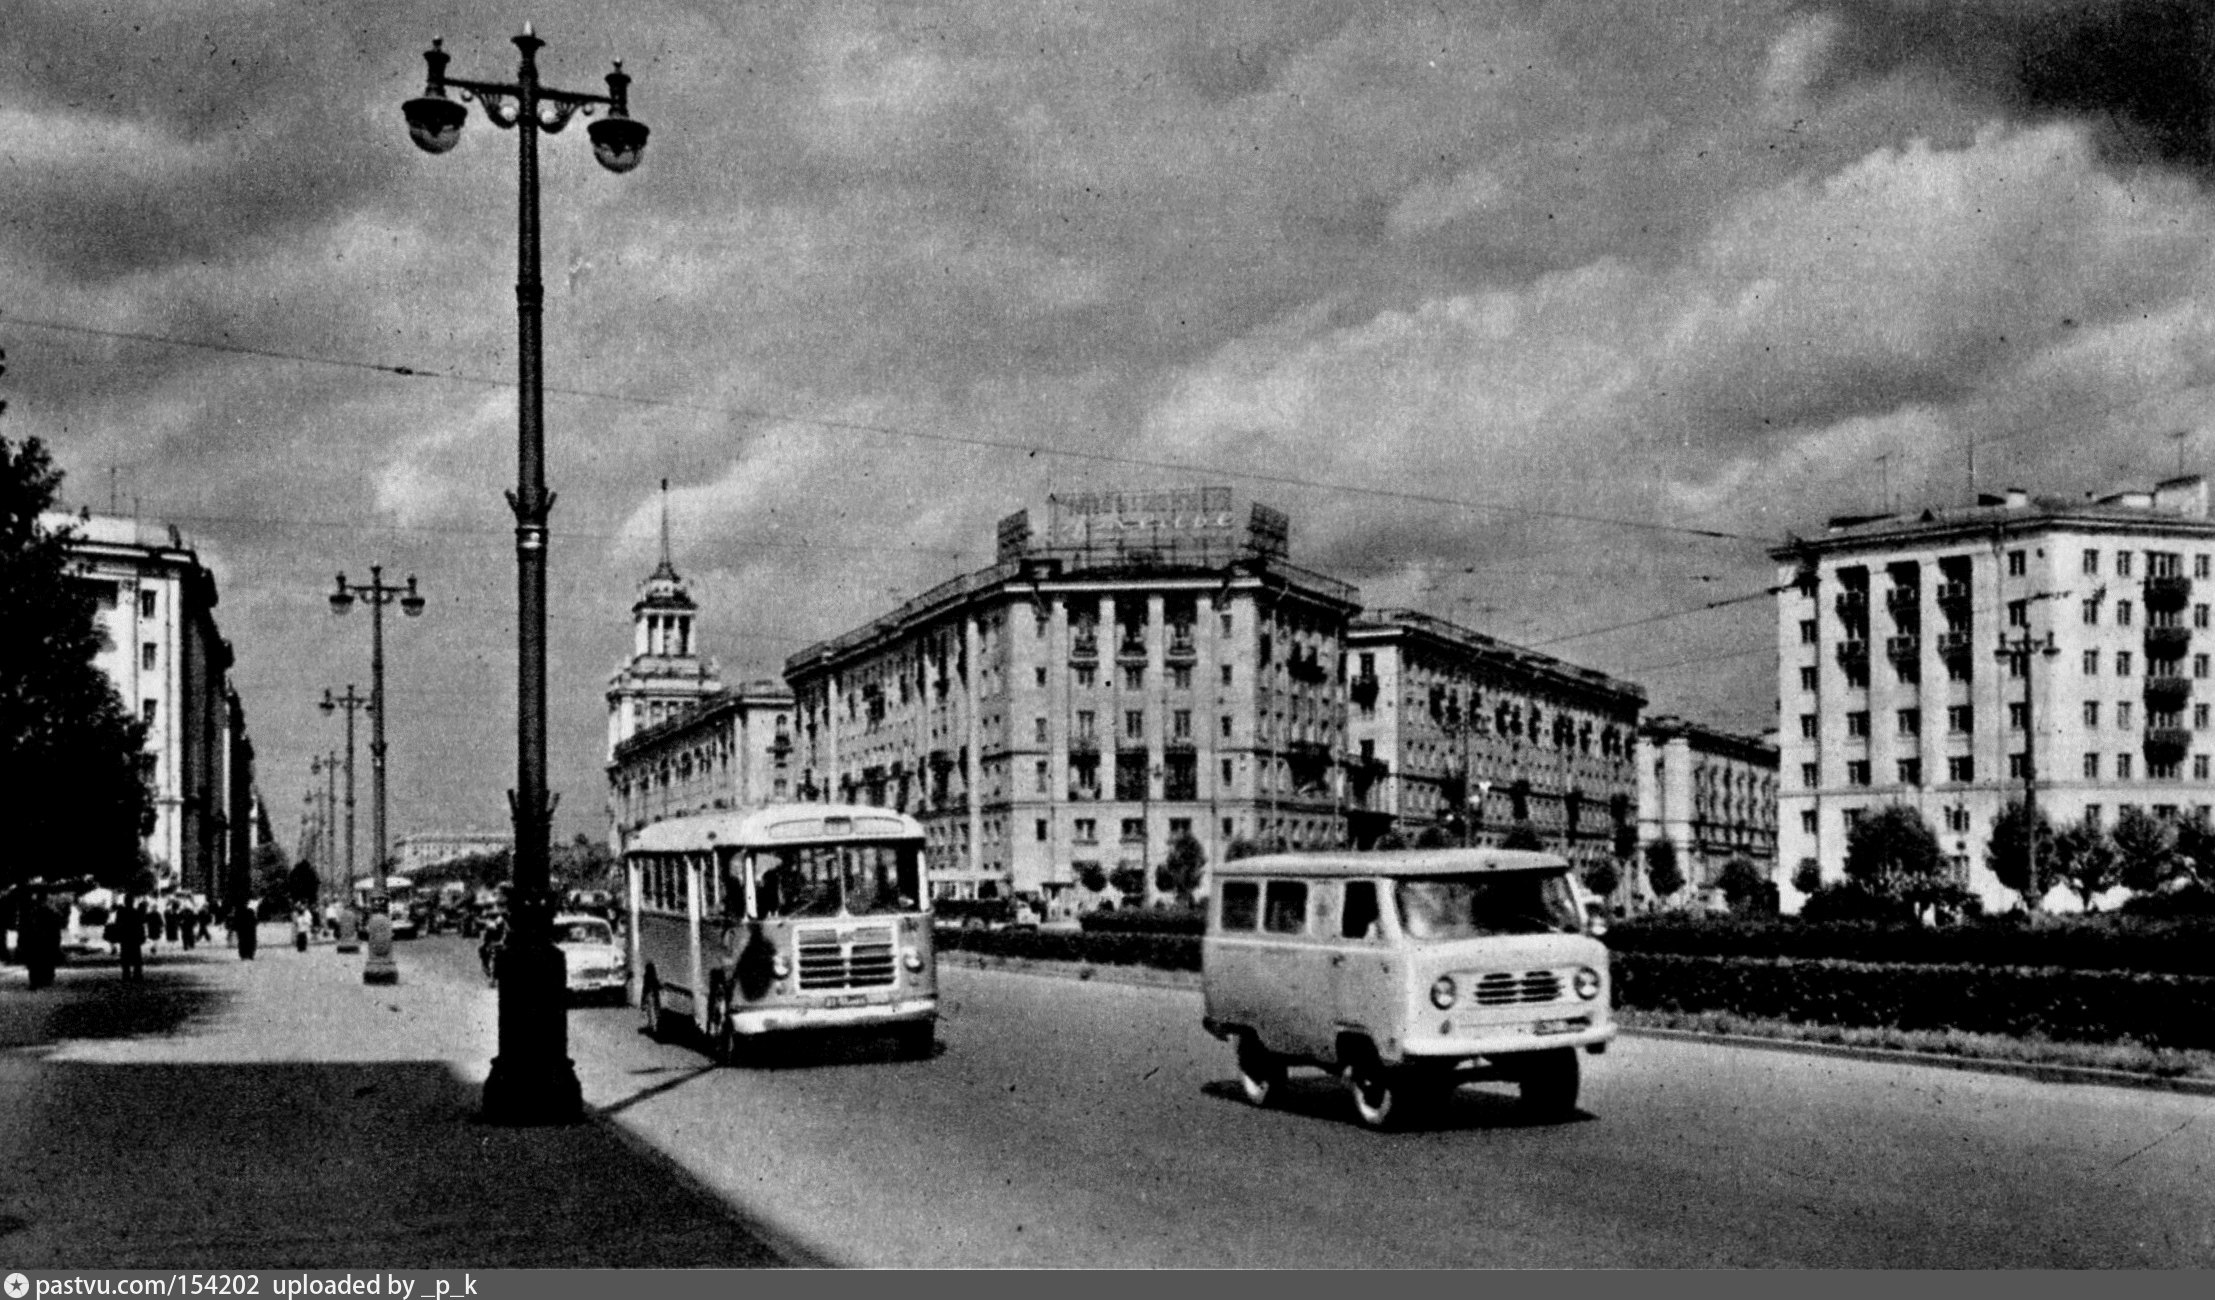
(1549, 318)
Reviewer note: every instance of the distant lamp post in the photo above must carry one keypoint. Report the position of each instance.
(2028, 649)
(353, 702)
(533, 1081)
(380, 968)
(1476, 810)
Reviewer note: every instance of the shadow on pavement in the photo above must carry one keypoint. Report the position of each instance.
(1323, 1097)
(89, 1000)
(307, 1165)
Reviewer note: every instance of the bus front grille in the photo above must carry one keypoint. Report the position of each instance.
(1502, 988)
(845, 959)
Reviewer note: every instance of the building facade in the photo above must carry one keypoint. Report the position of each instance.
(420, 852)
(1452, 729)
(732, 749)
(666, 674)
(1148, 665)
(1712, 795)
(171, 666)
(1960, 659)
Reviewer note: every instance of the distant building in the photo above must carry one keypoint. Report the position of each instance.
(1454, 730)
(1947, 660)
(1146, 665)
(171, 665)
(732, 749)
(423, 852)
(666, 674)
(1712, 795)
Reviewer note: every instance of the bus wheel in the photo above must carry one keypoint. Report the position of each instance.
(649, 1008)
(723, 1043)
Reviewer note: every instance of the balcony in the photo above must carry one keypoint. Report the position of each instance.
(1853, 653)
(2168, 591)
(1131, 647)
(1181, 645)
(2167, 694)
(1953, 644)
(1363, 691)
(1953, 593)
(2167, 745)
(1904, 600)
(2167, 642)
(1853, 606)
(1084, 745)
(1084, 645)
(1903, 648)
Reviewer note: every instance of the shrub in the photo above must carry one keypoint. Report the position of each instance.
(2183, 946)
(1162, 951)
(1851, 900)
(1164, 920)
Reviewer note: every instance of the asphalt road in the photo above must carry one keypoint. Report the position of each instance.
(1069, 1123)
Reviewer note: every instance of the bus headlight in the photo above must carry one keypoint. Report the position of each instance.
(1443, 992)
(1587, 983)
(779, 967)
(912, 959)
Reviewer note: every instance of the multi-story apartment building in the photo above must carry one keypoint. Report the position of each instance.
(419, 852)
(1949, 659)
(1712, 795)
(732, 749)
(1454, 729)
(171, 665)
(1148, 666)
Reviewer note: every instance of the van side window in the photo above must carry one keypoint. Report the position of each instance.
(1359, 918)
(1286, 910)
(1241, 904)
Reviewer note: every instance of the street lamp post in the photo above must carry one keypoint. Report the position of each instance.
(352, 701)
(2029, 649)
(380, 968)
(533, 1081)
(330, 823)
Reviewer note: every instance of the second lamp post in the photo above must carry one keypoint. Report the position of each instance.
(380, 968)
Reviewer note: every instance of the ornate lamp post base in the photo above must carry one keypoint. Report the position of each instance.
(533, 1081)
(380, 968)
(348, 941)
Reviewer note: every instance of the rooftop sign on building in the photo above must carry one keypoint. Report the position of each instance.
(1153, 526)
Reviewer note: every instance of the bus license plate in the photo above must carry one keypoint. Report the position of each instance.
(844, 1000)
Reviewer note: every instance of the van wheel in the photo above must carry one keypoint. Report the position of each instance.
(1379, 1092)
(649, 1009)
(1260, 1071)
(1549, 1084)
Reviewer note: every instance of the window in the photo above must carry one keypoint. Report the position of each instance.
(1959, 669)
(1088, 832)
(1134, 724)
(1911, 722)
(1961, 769)
(1040, 770)
(1857, 723)
(2122, 767)
(2091, 613)
(2018, 563)
(1957, 819)
(1134, 830)
(1807, 631)
(1961, 719)
(2091, 767)
(2018, 715)
(1857, 771)
(2199, 767)
(2018, 766)
(1039, 730)
(2122, 715)
(1807, 775)
(1853, 817)
(1241, 901)
(1808, 725)
(1038, 675)
(1357, 919)
(1226, 672)
(1180, 676)
(147, 710)
(1911, 771)
(145, 604)
(1134, 677)
(2091, 562)
(1038, 830)
(1226, 622)
(2018, 666)
(2091, 663)
(1086, 728)
(2199, 566)
(146, 655)
(2122, 564)
(2091, 713)
(1226, 772)
(1181, 724)
(1226, 726)
(1807, 821)
(1284, 910)
(2091, 814)
(2018, 613)
(2122, 613)
(2199, 717)
(1857, 676)
(2199, 665)
(2122, 663)
(1807, 678)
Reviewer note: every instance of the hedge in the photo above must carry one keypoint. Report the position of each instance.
(2159, 1010)
(2170, 947)
(1165, 951)
(1154, 920)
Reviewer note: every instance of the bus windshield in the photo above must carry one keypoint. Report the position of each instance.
(1476, 905)
(837, 880)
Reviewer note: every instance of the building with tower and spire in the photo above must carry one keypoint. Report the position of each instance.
(678, 742)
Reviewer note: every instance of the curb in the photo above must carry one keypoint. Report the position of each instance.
(1149, 977)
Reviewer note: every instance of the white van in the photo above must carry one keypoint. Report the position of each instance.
(1410, 972)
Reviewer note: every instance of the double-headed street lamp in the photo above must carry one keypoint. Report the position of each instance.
(2027, 650)
(533, 1081)
(380, 968)
(353, 702)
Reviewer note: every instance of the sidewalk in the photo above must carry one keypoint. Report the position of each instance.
(279, 1113)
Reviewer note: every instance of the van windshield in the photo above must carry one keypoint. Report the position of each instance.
(1472, 906)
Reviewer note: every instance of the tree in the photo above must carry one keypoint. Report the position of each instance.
(2087, 861)
(2194, 862)
(2145, 849)
(1092, 877)
(270, 871)
(1662, 872)
(1894, 854)
(1130, 882)
(302, 885)
(1390, 840)
(1432, 837)
(1522, 835)
(1745, 888)
(1808, 876)
(1179, 872)
(1243, 848)
(73, 766)
(2008, 854)
(1603, 878)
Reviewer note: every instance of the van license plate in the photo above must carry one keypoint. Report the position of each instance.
(1556, 1026)
(844, 1000)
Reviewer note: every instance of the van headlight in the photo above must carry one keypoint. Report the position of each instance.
(912, 959)
(779, 967)
(1587, 983)
(1443, 992)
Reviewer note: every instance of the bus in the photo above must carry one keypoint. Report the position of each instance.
(399, 902)
(792, 917)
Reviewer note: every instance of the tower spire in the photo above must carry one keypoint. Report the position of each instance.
(665, 569)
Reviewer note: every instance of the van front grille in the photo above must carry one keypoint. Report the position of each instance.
(845, 959)
(1504, 988)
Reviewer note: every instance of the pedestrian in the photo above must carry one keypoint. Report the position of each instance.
(207, 921)
(303, 920)
(169, 921)
(41, 941)
(130, 935)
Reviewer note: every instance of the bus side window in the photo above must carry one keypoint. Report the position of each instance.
(1241, 906)
(1284, 907)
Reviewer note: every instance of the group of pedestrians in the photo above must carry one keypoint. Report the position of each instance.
(143, 923)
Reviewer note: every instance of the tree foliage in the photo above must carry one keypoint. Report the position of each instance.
(1663, 874)
(2008, 854)
(1522, 835)
(2088, 860)
(2145, 849)
(1892, 854)
(1745, 888)
(1603, 877)
(1130, 882)
(1179, 872)
(73, 769)
(2193, 865)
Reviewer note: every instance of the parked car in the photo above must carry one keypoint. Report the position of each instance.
(596, 962)
(592, 902)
